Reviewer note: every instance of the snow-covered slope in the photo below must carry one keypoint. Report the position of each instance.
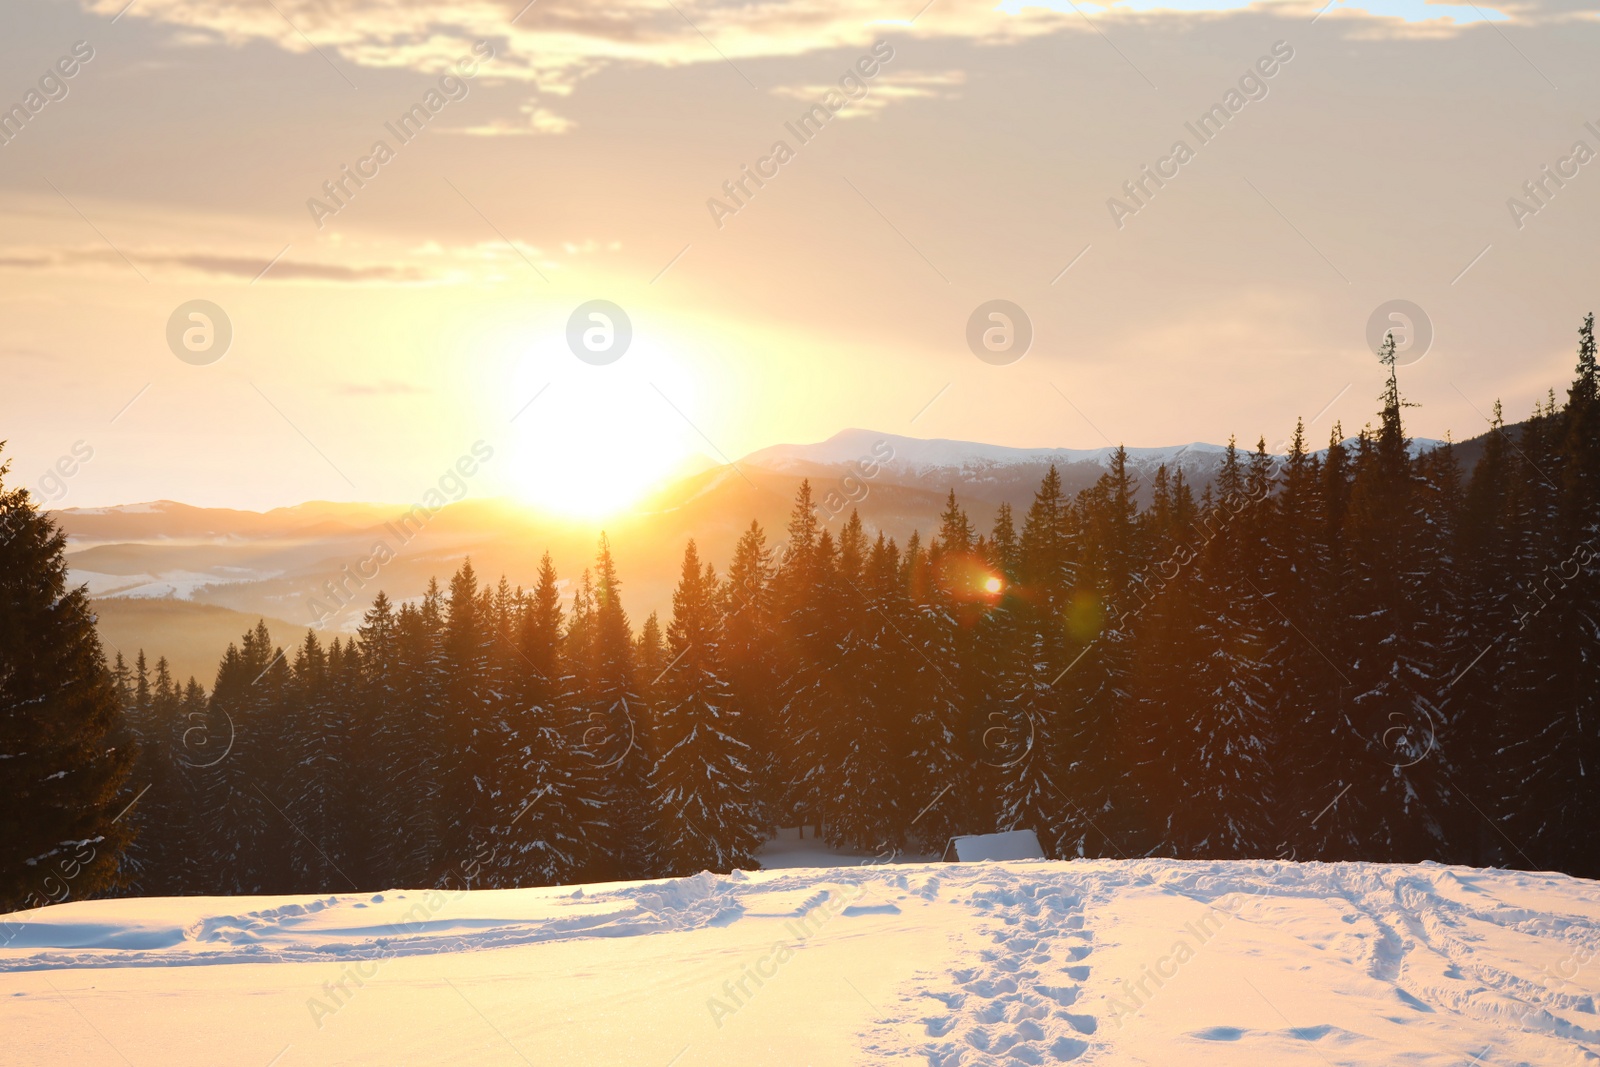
(915, 459)
(1143, 962)
(918, 458)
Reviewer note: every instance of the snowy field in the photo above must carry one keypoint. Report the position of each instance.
(1142, 962)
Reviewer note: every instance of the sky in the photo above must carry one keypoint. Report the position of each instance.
(568, 153)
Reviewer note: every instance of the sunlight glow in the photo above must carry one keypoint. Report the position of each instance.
(993, 585)
(597, 440)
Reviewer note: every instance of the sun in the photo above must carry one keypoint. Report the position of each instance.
(595, 440)
(993, 585)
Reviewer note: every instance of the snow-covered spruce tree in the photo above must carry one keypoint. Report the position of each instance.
(1550, 737)
(408, 740)
(1021, 741)
(468, 714)
(1223, 761)
(1100, 687)
(1487, 540)
(943, 684)
(818, 626)
(591, 736)
(650, 655)
(159, 857)
(750, 664)
(808, 636)
(374, 711)
(136, 733)
(857, 738)
(1448, 639)
(351, 788)
(61, 777)
(235, 757)
(1393, 810)
(995, 637)
(1579, 518)
(499, 783)
(1164, 605)
(537, 838)
(1093, 694)
(616, 733)
(312, 794)
(700, 786)
(1307, 678)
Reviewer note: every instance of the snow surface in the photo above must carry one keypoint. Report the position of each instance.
(1033, 962)
(916, 455)
(175, 584)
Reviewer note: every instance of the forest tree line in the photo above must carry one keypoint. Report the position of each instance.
(1362, 652)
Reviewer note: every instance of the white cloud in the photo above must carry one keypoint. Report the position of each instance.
(888, 88)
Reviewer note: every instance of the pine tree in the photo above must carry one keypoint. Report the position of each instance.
(467, 709)
(803, 597)
(159, 860)
(650, 653)
(410, 839)
(616, 734)
(750, 664)
(858, 718)
(1306, 677)
(1394, 810)
(701, 782)
(313, 795)
(59, 831)
(236, 758)
(1164, 609)
(1548, 730)
(541, 841)
(1023, 740)
(932, 689)
(1224, 760)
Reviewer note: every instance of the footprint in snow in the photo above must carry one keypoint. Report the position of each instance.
(1068, 1048)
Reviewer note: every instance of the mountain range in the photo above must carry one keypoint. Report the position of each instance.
(182, 581)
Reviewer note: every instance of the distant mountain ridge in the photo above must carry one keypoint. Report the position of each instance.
(922, 458)
(186, 578)
(991, 472)
(978, 472)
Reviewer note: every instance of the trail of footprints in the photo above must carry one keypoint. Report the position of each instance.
(1016, 1004)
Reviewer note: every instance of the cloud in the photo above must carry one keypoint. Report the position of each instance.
(286, 270)
(538, 121)
(888, 88)
(214, 265)
(557, 43)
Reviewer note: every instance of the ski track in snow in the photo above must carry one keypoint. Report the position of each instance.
(1446, 953)
(424, 923)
